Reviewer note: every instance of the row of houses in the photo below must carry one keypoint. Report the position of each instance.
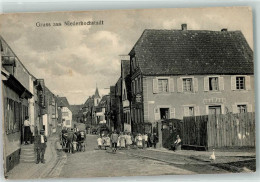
(24, 95)
(94, 112)
(177, 73)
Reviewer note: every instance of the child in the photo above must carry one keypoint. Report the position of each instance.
(99, 141)
(107, 142)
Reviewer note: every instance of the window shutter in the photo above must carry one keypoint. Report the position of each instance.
(171, 85)
(179, 85)
(195, 85)
(155, 86)
(233, 82)
(221, 83)
(186, 111)
(172, 112)
(248, 85)
(197, 110)
(206, 83)
(156, 114)
(6, 112)
(234, 108)
(249, 108)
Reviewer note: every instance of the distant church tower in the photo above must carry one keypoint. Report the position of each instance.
(97, 98)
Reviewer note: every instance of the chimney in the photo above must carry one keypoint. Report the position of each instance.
(224, 30)
(183, 27)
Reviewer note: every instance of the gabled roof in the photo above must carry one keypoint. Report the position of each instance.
(75, 108)
(103, 101)
(178, 52)
(118, 87)
(63, 102)
(97, 94)
(89, 102)
(125, 67)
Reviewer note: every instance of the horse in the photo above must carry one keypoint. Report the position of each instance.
(70, 137)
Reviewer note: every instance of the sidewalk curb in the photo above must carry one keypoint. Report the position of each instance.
(225, 166)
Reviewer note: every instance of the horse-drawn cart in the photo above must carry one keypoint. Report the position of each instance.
(72, 141)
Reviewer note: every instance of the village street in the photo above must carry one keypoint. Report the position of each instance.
(133, 162)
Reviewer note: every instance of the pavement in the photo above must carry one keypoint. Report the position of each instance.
(132, 162)
(36, 171)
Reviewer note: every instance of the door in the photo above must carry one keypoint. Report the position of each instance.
(164, 113)
(214, 110)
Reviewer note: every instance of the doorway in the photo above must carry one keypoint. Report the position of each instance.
(214, 110)
(164, 113)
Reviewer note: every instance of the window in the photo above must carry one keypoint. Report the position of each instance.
(163, 85)
(187, 84)
(191, 111)
(242, 108)
(67, 122)
(213, 84)
(136, 86)
(65, 114)
(240, 83)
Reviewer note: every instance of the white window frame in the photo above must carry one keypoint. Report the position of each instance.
(243, 76)
(248, 106)
(192, 89)
(163, 78)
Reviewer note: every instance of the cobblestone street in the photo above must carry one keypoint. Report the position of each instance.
(133, 162)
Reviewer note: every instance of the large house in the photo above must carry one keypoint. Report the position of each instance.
(177, 73)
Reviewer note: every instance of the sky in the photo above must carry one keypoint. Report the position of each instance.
(74, 60)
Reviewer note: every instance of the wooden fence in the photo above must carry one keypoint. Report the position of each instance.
(194, 132)
(229, 130)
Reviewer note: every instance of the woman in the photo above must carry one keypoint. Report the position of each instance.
(122, 140)
(27, 130)
(128, 140)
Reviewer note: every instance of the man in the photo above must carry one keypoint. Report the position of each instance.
(114, 140)
(40, 146)
(75, 129)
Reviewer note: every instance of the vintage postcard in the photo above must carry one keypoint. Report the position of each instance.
(128, 93)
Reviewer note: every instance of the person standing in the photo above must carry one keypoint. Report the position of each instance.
(145, 138)
(40, 147)
(139, 141)
(155, 140)
(99, 142)
(114, 140)
(75, 129)
(128, 140)
(122, 140)
(27, 130)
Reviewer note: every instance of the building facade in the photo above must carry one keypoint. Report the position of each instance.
(15, 104)
(177, 73)
(65, 113)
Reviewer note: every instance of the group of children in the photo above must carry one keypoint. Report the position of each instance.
(125, 139)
